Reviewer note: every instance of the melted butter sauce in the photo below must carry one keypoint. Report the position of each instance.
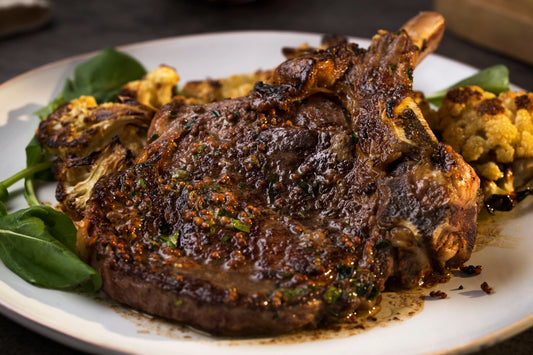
(394, 308)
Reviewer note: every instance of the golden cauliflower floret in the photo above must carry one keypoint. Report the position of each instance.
(77, 175)
(204, 91)
(156, 88)
(90, 141)
(81, 127)
(489, 170)
(493, 133)
(487, 128)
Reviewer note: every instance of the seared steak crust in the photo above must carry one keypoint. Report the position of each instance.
(289, 207)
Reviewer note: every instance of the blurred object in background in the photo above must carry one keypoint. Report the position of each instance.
(17, 16)
(229, 2)
(505, 26)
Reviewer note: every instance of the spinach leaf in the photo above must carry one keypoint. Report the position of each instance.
(494, 79)
(38, 244)
(102, 76)
(4, 194)
(35, 155)
(28, 172)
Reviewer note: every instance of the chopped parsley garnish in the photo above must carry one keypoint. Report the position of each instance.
(141, 183)
(181, 175)
(243, 227)
(332, 295)
(171, 241)
(189, 124)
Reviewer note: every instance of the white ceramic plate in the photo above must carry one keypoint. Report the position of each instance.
(465, 321)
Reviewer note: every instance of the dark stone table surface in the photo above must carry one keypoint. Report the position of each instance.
(78, 27)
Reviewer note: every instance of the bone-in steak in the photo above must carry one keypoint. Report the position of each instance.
(290, 207)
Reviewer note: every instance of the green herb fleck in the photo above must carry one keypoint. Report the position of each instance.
(141, 183)
(366, 290)
(332, 295)
(253, 161)
(291, 293)
(171, 241)
(223, 213)
(243, 227)
(355, 137)
(304, 186)
(216, 113)
(345, 272)
(409, 73)
(142, 166)
(154, 136)
(201, 148)
(189, 125)
(181, 175)
(272, 179)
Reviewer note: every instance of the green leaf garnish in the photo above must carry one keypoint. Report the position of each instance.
(38, 244)
(103, 75)
(494, 79)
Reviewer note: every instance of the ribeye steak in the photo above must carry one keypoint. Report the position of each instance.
(292, 206)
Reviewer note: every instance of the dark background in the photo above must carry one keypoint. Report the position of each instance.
(78, 27)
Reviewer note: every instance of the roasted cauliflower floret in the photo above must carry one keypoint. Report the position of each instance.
(77, 176)
(155, 89)
(493, 133)
(204, 91)
(81, 127)
(91, 140)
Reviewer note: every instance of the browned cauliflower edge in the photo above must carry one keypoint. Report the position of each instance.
(91, 140)
(494, 134)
